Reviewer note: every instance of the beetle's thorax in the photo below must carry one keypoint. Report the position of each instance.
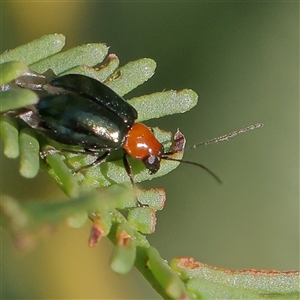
(141, 143)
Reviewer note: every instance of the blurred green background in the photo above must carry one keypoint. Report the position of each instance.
(243, 61)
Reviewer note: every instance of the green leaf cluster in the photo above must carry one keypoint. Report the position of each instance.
(102, 193)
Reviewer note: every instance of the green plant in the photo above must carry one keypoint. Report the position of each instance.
(101, 193)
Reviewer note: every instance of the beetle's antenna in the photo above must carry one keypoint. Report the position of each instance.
(180, 145)
(195, 164)
(226, 137)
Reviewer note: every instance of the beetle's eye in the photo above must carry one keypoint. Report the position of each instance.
(152, 163)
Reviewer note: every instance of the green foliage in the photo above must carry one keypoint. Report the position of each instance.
(114, 192)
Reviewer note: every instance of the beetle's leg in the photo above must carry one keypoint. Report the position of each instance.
(91, 151)
(128, 169)
(98, 161)
(44, 153)
(130, 175)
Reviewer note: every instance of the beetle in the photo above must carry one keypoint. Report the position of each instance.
(77, 110)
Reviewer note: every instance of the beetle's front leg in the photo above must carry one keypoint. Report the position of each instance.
(130, 175)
